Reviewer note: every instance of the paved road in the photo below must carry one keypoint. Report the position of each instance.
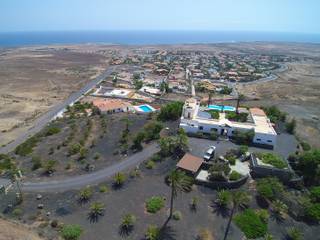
(48, 116)
(91, 178)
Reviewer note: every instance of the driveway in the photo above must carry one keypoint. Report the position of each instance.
(91, 178)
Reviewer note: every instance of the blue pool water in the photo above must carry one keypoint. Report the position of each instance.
(145, 108)
(222, 108)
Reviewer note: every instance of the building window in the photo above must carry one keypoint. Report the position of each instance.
(200, 128)
(270, 141)
(214, 129)
(258, 139)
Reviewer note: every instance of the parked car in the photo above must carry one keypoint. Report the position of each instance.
(209, 154)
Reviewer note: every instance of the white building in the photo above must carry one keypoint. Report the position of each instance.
(195, 119)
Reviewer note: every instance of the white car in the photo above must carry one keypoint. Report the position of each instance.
(209, 154)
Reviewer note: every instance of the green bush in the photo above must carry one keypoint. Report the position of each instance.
(150, 164)
(71, 232)
(312, 211)
(243, 137)
(104, 189)
(315, 194)
(291, 126)
(223, 198)
(234, 176)
(6, 163)
(36, 162)
(214, 114)
(74, 149)
(119, 179)
(177, 215)
(263, 214)
(51, 130)
(171, 111)
(308, 164)
(251, 224)
(152, 131)
(237, 117)
(26, 148)
(154, 204)
(213, 136)
(274, 114)
(49, 166)
(272, 159)
(294, 234)
(269, 188)
(243, 149)
(153, 233)
(232, 159)
(17, 212)
(305, 146)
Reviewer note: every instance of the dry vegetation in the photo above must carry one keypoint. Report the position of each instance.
(10, 230)
(34, 79)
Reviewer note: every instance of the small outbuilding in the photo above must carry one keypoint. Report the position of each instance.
(190, 163)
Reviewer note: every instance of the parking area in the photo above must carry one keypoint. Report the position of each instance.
(286, 144)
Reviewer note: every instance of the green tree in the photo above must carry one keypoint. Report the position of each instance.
(171, 111)
(179, 182)
(238, 199)
(240, 98)
(309, 166)
(291, 126)
(96, 210)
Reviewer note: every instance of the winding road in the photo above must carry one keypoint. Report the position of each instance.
(91, 178)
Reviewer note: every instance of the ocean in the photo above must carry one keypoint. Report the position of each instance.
(15, 39)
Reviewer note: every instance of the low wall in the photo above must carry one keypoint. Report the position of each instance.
(257, 170)
(219, 185)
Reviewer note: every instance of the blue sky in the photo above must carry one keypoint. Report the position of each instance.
(220, 15)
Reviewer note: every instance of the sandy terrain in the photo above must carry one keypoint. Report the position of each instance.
(34, 79)
(15, 231)
(296, 91)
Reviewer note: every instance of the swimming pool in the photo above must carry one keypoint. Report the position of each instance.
(222, 108)
(146, 108)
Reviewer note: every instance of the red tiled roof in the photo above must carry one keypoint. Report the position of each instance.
(190, 163)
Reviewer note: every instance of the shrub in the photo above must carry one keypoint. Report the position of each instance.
(96, 210)
(234, 176)
(6, 163)
(104, 189)
(204, 234)
(194, 202)
(315, 194)
(308, 164)
(150, 164)
(251, 224)
(213, 136)
(153, 233)
(26, 148)
(280, 209)
(85, 194)
(54, 223)
(269, 188)
(312, 211)
(154, 204)
(36, 162)
(177, 215)
(294, 234)
(237, 117)
(220, 167)
(128, 222)
(17, 212)
(243, 149)
(51, 130)
(274, 114)
(137, 141)
(96, 156)
(214, 114)
(171, 111)
(272, 159)
(305, 146)
(263, 214)
(49, 166)
(119, 179)
(71, 232)
(74, 149)
(243, 137)
(291, 126)
(223, 198)
(232, 159)
(152, 131)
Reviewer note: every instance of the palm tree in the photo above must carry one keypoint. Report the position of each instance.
(127, 223)
(240, 98)
(128, 122)
(209, 98)
(280, 209)
(239, 199)
(179, 182)
(85, 194)
(96, 210)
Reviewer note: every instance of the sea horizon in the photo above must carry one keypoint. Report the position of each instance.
(149, 37)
